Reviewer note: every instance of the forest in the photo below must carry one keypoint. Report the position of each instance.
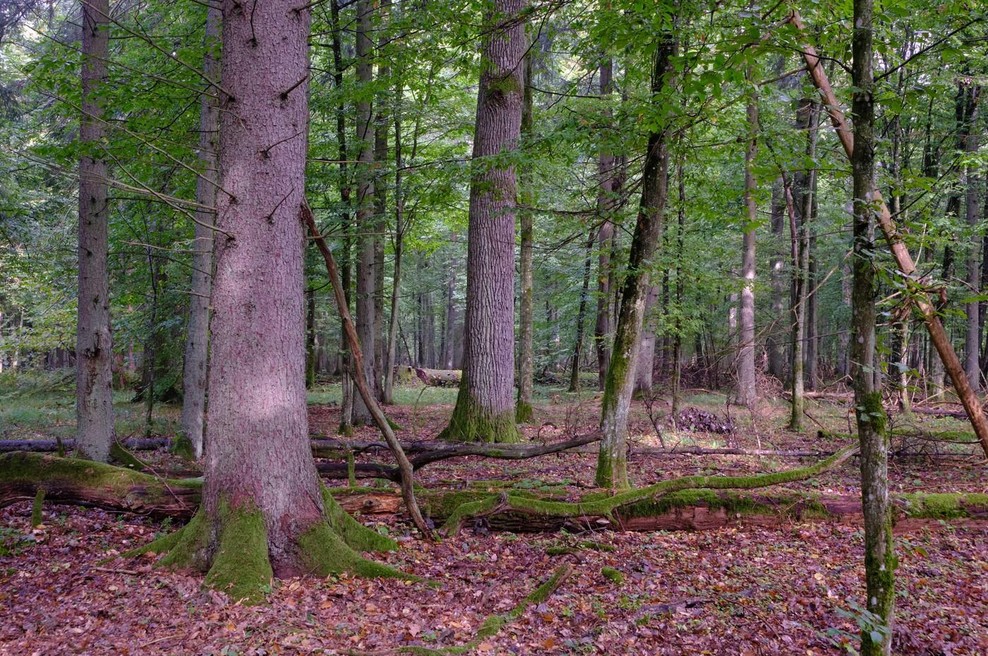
(494, 327)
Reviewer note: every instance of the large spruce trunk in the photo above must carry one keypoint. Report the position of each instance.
(197, 334)
(485, 408)
(94, 342)
(880, 559)
(612, 460)
(263, 510)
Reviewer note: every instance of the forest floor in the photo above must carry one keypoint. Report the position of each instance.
(746, 589)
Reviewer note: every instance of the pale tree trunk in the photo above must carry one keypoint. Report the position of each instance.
(263, 510)
(366, 221)
(645, 361)
(399, 250)
(426, 340)
(677, 344)
(450, 319)
(880, 561)
(606, 173)
(972, 350)
(485, 408)
(844, 336)
(526, 309)
(94, 341)
(811, 354)
(197, 337)
(612, 459)
(747, 389)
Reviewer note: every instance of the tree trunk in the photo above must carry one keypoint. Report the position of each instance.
(972, 350)
(606, 203)
(94, 340)
(798, 308)
(747, 389)
(612, 460)
(773, 342)
(446, 360)
(581, 316)
(366, 221)
(382, 125)
(263, 511)
(526, 308)
(426, 341)
(392, 350)
(645, 360)
(197, 338)
(485, 409)
(880, 561)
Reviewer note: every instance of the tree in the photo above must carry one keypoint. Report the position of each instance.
(747, 390)
(880, 561)
(485, 408)
(197, 333)
(612, 458)
(94, 341)
(526, 292)
(263, 508)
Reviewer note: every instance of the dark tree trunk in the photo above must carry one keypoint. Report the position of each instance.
(94, 341)
(880, 561)
(485, 408)
(197, 337)
(612, 463)
(526, 304)
(426, 340)
(581, 316)
(263, 509)
(606, 203)
(366, 220)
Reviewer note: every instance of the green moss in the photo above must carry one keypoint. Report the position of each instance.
(523, 412)
(945, 506)
(324, 552)
(37, 507)
(186, 548)
(871, 411)
(612, 575)
(241, 566)
(125, 458)
(183, 448)
(471, 422)
(353, 533)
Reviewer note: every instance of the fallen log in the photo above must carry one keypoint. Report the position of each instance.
(940, 412)
(133, 444)
(431, 377)
(79, 482)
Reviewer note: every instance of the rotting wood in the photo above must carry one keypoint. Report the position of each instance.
(918, 292)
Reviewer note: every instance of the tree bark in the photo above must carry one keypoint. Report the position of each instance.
(581, 316)
(197, 337)
(880, 561)
(972, 210)
(606, 174)
(390, 360)
(485, 408)
(773, 343)
(612, 463)
(366, 220)
(645, 360)
(747, 388)
(526, 292)
(382, 125)
(94, 340)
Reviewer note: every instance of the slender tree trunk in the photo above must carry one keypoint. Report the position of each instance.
(526, 292)
(972, 350)
(311, 345)
(645, 360)
(197, 336)
(450, 317)
(677, 344)
(366, 220)
(798, 308)
(747, 389)
(880, 561)
(382, 125)
(612, 460)
(485, 408)
(811, 353)
(399, 250)
(606, 173)
(581, 316)
(426, 321)
(773, 343)
(94, 340)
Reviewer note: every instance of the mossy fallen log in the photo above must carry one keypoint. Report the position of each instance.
(79, 482)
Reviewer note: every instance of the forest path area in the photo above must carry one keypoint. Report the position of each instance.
(792, 588)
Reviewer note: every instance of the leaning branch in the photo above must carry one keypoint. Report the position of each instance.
(903, 259)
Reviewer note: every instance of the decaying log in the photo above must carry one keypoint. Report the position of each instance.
(431, 377)
(133, 444)
(940, 412)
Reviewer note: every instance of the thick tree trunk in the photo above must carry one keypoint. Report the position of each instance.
(526, 291)
(485, 408)
(366, 221)
(94, 341)
(880, 561)
(197, 336)
(606, 175)
(612, 460)
(747, 389)
(263, 510)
